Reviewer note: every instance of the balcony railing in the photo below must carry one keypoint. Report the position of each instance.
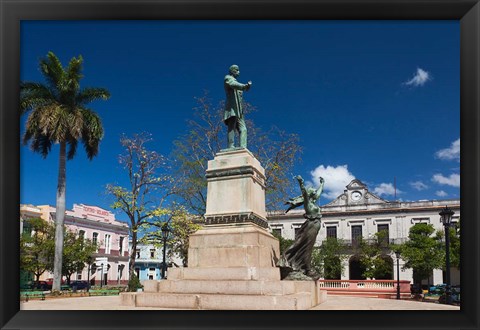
(356, 242)
(358, 287)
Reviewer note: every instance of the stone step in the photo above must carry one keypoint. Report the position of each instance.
(225, 287)
(247, 288)
(298, 301)
(223, 273)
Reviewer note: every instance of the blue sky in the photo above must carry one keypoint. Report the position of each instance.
(374, 100)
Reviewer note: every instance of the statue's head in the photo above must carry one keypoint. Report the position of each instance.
(312, 193)
(234, 70)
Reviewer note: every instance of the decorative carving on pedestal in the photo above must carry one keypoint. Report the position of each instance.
(223, 173)
(237, 218)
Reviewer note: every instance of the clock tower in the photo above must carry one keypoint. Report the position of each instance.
(356, 192)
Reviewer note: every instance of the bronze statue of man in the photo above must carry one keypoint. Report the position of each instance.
(233, 116)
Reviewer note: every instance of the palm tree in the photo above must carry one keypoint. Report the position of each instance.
(58, 113)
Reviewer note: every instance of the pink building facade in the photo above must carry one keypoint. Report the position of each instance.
(99, 225)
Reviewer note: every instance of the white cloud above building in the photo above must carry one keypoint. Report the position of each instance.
(441, 193)
(386, 189)
(450, 153)
(452, 180)
(418, 185)
(336, 179)
(419, 79)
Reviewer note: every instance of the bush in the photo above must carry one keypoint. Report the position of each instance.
(134, 283)
(121, 288)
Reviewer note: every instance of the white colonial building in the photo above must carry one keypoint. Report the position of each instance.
(360, 213)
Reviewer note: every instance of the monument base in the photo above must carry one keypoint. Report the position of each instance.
(227, 295)
(231, 267)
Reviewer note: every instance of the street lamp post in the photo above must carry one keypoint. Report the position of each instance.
(90, 267)
(101, 277)
(89, 262)
(446, 218)
(165, 232)
(397, 254)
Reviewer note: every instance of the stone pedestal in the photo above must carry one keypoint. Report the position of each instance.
(232, 260)
(236, 189)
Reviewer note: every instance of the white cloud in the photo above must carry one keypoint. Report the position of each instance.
(386, 189)
(418, 185)
(336, 179)
(441, 193)
(453, 152)
(420, 78)
(452, 180)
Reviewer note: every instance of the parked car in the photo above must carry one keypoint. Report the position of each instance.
(438, 289)
(78, 285)
(42, 285)
(50, 281)
(38, 286)
(454, 295)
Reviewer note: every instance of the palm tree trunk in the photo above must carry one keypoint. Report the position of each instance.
(59, 216)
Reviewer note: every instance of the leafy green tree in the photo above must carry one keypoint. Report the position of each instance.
(134, 283)
(455, 245)
(148, 190)
(181, 224)
(37, 247)
(59, 113)
(422, 251)
(77, 252)
(328, 259)
(277, 151)
(373, 256)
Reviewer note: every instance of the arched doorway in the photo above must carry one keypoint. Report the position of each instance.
(356, 269)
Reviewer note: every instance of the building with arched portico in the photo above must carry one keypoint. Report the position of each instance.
(359, 213)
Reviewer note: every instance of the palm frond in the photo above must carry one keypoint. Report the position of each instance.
(73, 75)
(49, 118)
(41, 144)
(75, 123)
(92, 132)
(31, 125)
(34, 95)
(53, 71)
(90, 94)
(72, 148)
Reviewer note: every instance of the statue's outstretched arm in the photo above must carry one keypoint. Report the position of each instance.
(320, 188)
(233, 83)
(302, 187)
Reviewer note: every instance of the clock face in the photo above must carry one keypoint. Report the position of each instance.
(356, 196)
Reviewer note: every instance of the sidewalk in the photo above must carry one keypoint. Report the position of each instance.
(332, 303)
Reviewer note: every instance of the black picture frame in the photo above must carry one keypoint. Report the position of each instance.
(12, 12)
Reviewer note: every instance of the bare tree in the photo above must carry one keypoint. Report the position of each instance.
(148, 190)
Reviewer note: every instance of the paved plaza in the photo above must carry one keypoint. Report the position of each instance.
(332, 303)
